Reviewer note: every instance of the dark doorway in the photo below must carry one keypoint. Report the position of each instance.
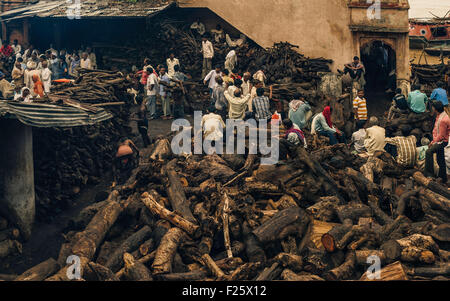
(379, 60)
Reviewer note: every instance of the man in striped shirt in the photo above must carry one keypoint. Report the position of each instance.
(261, 106)
(360, 108)
(406, 147)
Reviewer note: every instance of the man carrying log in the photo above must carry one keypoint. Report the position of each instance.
(125, 160)
(441, 133)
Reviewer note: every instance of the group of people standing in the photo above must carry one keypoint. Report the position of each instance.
(33, 72)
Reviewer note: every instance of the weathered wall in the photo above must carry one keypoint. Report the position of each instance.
(17, 174)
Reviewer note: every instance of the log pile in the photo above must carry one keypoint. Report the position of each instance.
(324, 215)
(92, 87)
(429, 75)
(285, 67)
(67, 159)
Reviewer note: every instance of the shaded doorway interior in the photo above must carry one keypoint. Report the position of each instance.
(379, 60)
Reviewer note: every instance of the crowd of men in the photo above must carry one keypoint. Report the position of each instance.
(33, 72)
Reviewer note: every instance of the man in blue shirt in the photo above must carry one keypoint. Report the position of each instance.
(417, 100)
(440, 94)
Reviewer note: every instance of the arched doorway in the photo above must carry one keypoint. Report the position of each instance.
(379, 60)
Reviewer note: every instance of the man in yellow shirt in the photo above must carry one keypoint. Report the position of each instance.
(360, 108)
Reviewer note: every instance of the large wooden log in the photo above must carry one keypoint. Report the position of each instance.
(175, 191)
(331, 239)
(392, 272)
(432, 271)
(166, 251)
(40, 271)
(198, 274)
(150, 201)
(289, 275)
(288, 221)
(344, 271)
(432, 185)
(135, 270)
(87, 241)
(115, 261)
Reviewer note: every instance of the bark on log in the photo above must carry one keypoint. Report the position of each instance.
(273, 229)
(40, 271)
(343, 271)
(12, 233)
(212, 267)
(198, 274)
(88, 241)
(150, 201)
(393, 272)
(432, 271)
(432, 185)
(331, 239)
(134, 270)
(115, 261)
(289, 275)
(166, 251)
(270, 273)
(175, 191)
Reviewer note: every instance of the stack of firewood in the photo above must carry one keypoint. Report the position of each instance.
(67, 159)
(429, 75)
(324, 215)
(92, 87)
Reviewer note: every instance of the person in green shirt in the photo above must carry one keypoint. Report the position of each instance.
(417, 100)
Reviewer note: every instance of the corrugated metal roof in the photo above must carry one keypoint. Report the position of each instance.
(47, 115)
(87, 9)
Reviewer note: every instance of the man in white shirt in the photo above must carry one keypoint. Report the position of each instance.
(231, 60)
(46, 76)
(237, 104)
(211, 78)
(212, 125)
(151, 87)
(16, 47)
(208, 54)
(171, 63)
(246, 84)
(92, 57)
(85, 61)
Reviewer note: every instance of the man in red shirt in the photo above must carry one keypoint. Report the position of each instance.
(441, 133)
(6, 49)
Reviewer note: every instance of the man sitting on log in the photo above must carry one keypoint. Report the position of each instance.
(125, 160)
(406, 147)
(441, 133)
(299, 111)
(291, 139)
(323, 125)
(417, 101)
(399, 104)
(375, 137)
